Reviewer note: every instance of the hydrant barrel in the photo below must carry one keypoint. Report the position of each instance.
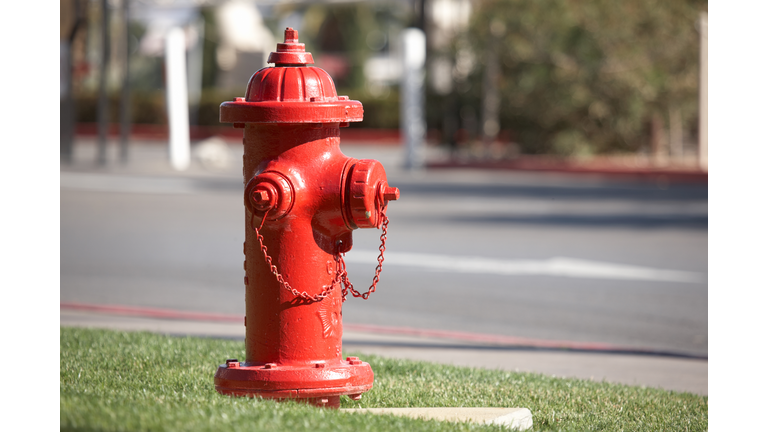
(303, 198)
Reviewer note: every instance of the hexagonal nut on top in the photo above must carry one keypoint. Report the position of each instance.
(367, 194)
(269, 193)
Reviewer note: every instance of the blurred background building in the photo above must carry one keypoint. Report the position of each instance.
(504, 78)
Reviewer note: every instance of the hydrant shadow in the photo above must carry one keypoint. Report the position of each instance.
(297, 301)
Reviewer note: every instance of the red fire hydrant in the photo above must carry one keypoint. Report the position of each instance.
(303, 199)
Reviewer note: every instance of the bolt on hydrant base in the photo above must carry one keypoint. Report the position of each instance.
(303, 198)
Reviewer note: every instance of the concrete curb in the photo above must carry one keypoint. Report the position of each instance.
(513, 418)
(661, 176)
(676, 374)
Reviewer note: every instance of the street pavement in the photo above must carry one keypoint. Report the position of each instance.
(545, 257)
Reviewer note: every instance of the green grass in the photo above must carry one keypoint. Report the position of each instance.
(140, 381)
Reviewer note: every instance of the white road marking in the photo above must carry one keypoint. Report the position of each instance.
(558, 266)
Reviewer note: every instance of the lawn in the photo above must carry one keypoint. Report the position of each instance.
(114, 381)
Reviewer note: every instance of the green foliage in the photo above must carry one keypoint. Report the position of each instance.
(585, 76)
(380, 112)
(149, 107)
(140, 381)
(340, 30)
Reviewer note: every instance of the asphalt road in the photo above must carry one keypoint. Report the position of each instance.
(543, 256)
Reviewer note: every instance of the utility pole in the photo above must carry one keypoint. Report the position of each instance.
(125, 99)
(67, 107)
(103, 111)
(412, 121)
(491, 98)
(177, 98)
(703, 83)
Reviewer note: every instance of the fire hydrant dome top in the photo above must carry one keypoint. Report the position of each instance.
(291, 92)
(291, 84)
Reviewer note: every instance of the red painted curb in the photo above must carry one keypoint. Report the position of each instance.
(151, 312)
(389, 137)
(439, 334)
(660, 175)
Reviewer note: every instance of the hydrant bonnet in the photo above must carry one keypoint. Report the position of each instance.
(291, 92)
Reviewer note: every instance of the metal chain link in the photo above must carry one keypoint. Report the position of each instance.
(341, 268)
(348, 288)
(279, 277)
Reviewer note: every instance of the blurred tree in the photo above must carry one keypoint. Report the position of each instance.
(590, 76)
(336, 36)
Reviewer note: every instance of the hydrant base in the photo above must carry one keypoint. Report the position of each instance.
(320, 386)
